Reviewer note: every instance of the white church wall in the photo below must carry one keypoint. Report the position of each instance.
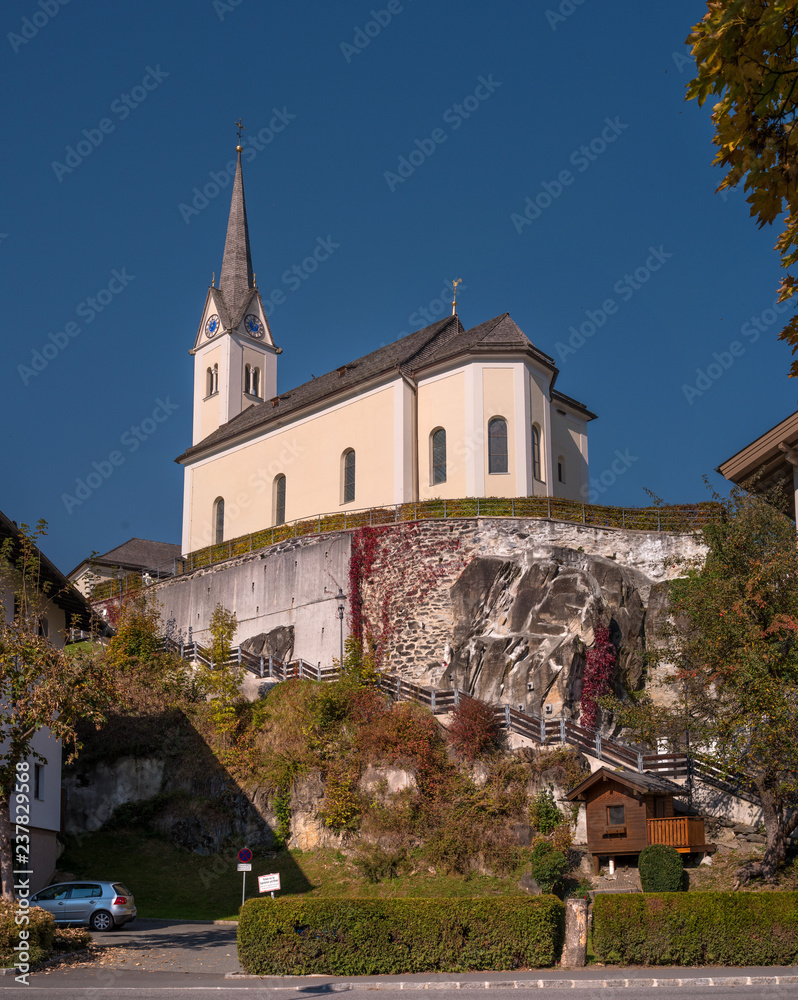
(569, 440)
(498, 400)
(441, 403)
(308, 452)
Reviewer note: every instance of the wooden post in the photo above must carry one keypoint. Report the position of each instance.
(574, 953)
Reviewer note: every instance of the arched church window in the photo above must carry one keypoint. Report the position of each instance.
(247, 379)
(279, 499)
(348, 476)
(497, 446)
(255, 381)
(561, 468)
(537, 465)
(438, 452)
(218, 520)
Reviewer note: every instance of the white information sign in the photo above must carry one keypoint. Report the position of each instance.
(269, 883)
(244, 868)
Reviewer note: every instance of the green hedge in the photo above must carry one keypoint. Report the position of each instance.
(697, 928)
(661, 869)
(291, 937)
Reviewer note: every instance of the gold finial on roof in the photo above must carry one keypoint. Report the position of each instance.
(241, 128)
(254, 279)
(454, 295)
(213, 280)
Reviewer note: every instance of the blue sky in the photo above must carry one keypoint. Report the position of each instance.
(571, 185)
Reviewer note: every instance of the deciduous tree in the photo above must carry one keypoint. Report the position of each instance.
(732, 641)
(745, 53)
(40, 687)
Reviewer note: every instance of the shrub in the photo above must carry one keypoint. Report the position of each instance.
(547, 865)
(376, 863)
(68, 939)
(301, 937)
(543, 812)
(40, 930)
(473, 730)
(661, 869)
(699, 928)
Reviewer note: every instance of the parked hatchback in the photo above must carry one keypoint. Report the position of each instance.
(100, 905)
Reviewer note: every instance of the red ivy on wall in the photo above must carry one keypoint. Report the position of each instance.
(599, 667)
(365, 546)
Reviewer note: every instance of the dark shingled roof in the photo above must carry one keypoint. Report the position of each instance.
(645, 782)
(436, 343)
(138, 554)
(59, 589)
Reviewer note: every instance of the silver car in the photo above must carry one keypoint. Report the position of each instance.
(100, 905)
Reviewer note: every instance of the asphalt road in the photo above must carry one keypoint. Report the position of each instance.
(165, 986)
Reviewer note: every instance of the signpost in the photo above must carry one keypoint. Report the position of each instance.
(269, 883)
(244, 865)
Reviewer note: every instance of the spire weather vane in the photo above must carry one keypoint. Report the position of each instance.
(454, 295)
(241, 128)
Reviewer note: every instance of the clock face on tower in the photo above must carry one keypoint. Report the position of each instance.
(212, 326)
(253, 326)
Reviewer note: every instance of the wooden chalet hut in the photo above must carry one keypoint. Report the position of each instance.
(627, 811)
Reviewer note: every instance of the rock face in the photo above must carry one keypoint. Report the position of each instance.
(506, 609)
(278, 642)
(521, 631)
(93, 794)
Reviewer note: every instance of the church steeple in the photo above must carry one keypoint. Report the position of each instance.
(235, 357)
(236, 280)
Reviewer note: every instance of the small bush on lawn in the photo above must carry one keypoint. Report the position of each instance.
(697, 928)
(376, 863)
(39, 930)
(547, 865)
(661, 869)
(300, 937)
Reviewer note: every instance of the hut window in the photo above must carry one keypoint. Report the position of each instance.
(616, 815)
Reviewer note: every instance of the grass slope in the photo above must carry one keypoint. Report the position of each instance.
(170, 882)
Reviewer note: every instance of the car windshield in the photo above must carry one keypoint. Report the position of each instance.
(121, 890)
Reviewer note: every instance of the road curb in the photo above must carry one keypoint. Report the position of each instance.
(526, 984)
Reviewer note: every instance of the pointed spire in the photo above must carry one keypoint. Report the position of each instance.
(236, 279)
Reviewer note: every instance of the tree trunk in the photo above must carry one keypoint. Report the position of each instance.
(6, 847)
(777, 829)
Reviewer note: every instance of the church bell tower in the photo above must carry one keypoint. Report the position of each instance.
(235, 357)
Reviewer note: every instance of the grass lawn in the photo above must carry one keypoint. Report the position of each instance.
(168, 881)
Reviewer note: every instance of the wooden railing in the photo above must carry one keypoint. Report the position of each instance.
(541, 731)
(677, 831)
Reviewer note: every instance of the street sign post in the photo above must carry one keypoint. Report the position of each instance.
(244, 866)
(269, 883)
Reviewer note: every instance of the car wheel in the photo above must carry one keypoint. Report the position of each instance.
(101, 921)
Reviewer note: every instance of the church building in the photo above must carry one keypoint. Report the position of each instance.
(444, 413)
